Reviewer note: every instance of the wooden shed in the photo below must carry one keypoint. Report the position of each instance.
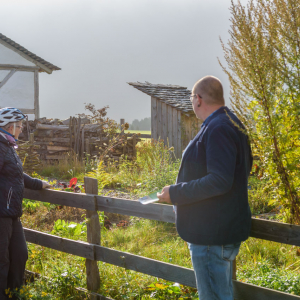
(172, 115)
(19, 76)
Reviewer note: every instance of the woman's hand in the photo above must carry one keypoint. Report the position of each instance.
(46, 184)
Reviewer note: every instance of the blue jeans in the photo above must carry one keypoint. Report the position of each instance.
(213, 270)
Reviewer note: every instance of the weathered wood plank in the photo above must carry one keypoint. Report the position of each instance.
(58, 140)
(18, 67)
(174, 138)
(26, 110)
(36, 94)
(65, 127)
(84, 201)
(93, 237)
(140, 135)
(154, 133)
(146, 265)
(164, 121)
(170, 125)
(57, 148)
(159, 120)
(61, 244)
(159, 212)
(179, 128)
(276, 232)
(263, 229)
(7, 77)
(185, 276)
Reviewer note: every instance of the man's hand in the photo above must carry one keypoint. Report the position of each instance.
(45, 184)
(164, 196)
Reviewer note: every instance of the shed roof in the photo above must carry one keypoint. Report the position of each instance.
(44, 65)
(173, 95)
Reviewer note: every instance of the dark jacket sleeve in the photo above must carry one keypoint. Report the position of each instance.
(221, 156)
(32, 183)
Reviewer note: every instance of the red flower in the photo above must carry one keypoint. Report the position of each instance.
(73, 182)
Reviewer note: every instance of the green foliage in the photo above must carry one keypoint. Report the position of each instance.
(30, 205)
(265, 275)
(101, 176)
(155, 167)
(69, 229)
(263, 58)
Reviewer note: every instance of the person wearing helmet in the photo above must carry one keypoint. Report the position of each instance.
(13, 248)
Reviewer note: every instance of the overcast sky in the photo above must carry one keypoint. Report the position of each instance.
(100, 45)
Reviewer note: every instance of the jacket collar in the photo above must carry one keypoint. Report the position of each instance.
(217, 112)
(3, 140)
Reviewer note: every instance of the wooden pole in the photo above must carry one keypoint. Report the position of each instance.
(234, 269)
(70, 129)
(31, 138)
(133, 145)
(87, 146)
(122, 123)
(93, 237)
(28, 128)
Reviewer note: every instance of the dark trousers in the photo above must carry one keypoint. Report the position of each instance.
(13, 255)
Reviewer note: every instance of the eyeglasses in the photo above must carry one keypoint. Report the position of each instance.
(192, 97)
(19, 126)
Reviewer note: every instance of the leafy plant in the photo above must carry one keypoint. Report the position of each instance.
(263, 58)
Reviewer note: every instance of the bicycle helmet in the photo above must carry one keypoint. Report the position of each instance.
(10, 115)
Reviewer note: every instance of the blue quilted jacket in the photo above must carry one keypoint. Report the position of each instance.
(12, 181)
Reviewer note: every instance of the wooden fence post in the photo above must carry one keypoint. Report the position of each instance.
(93, 237)
(122, 123)
(234, 269)
(31, 138)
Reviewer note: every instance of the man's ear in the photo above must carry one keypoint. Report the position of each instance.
(199, 100)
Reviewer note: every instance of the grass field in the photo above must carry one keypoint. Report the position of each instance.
(260, 262)
(138, 131)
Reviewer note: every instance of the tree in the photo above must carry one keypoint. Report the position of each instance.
(263, 66)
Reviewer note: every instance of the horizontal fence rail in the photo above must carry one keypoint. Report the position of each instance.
(145, 265)
(262, 229)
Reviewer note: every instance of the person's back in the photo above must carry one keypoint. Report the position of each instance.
(211, 194)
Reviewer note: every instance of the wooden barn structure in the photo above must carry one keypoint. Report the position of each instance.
(172, 116)
(19, 77)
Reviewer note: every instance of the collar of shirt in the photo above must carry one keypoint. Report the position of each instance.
(211, 115)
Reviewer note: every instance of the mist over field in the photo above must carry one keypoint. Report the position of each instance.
(102, 45)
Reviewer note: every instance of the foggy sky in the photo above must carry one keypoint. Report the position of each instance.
(103, 44)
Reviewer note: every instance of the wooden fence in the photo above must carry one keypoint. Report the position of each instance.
(93, 251)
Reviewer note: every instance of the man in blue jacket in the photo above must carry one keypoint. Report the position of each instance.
(210, 196)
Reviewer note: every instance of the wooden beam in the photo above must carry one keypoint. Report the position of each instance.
(84, 201)
(93, 237)
(170, 125)
(77, 248)
(18, 68)
(57, 148)
(262, 229)
(164, 122)
(154, 131)
(185, 276)
(46, 69)
(175, 132)
(65, 127)
(159, 212)
(26, 110)
(7, 77)
(36, 95)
